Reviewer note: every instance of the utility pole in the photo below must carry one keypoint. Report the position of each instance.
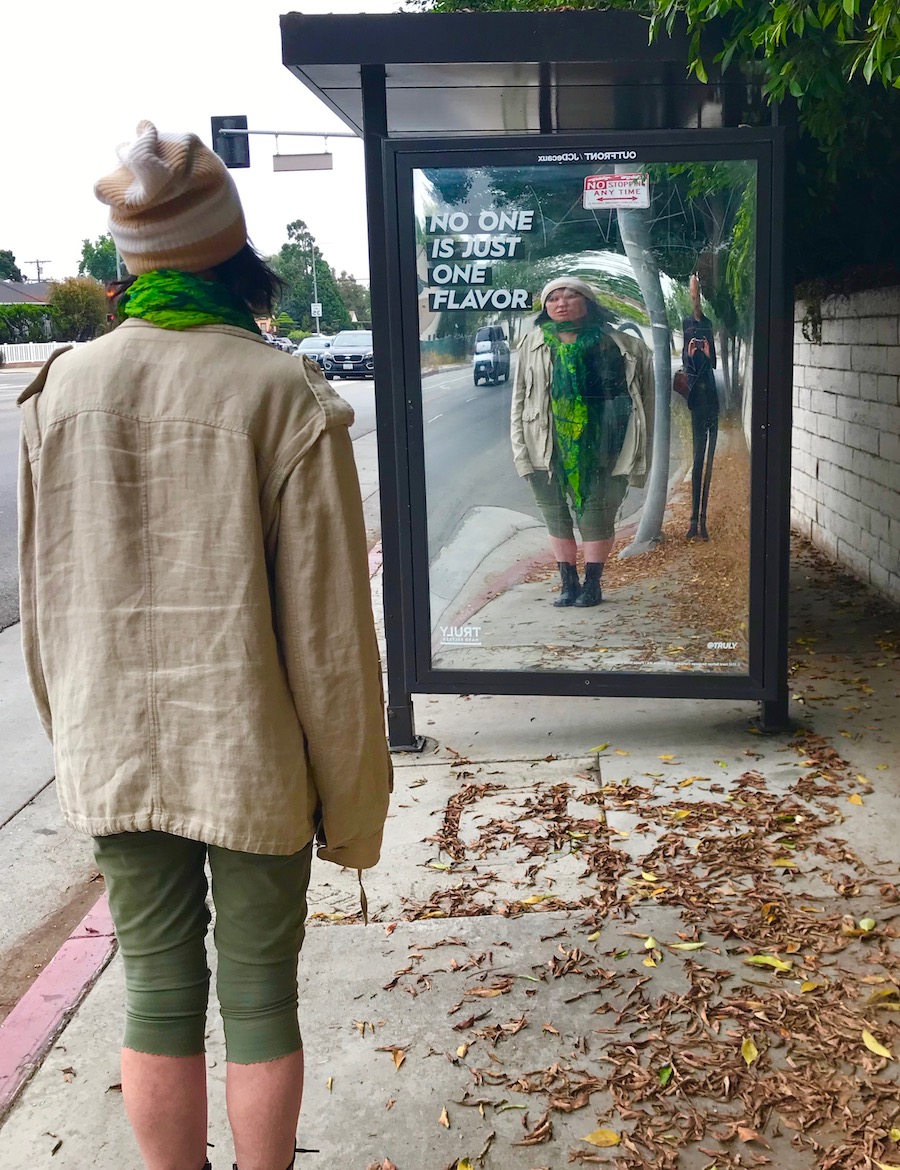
(37, 264)
(315, 285)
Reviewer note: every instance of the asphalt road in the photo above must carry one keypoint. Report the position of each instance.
(468, 458)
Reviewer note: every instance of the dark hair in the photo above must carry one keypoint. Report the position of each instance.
(245, 274)
(248, 277)
(596, 314)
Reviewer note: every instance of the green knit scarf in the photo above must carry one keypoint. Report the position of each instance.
(567, 404)
(181, 300)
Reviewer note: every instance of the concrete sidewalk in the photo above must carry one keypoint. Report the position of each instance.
(634, 921)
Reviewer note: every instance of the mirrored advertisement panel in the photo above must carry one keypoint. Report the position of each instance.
(586, 344)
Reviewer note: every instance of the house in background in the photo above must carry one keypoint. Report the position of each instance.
(32, 292)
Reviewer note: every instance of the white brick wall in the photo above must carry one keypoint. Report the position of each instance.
(845, 491)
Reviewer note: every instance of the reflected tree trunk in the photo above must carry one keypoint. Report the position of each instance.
(724, 347)
(634, 229)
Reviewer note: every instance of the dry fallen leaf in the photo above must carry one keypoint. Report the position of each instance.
(749, 1051)
(444, 1119)
(855, 798)
(329, 1084)
(768, 961)
(602, 1137)
(462, 1050)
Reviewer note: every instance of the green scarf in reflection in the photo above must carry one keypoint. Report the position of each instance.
(567, 404)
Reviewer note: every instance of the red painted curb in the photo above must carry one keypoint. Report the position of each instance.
(47, 1006)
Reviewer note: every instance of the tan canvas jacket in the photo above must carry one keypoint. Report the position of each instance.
(531, 430)
(196, 614)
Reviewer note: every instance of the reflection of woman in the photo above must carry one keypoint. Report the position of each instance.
(581, 414)
(699, 360)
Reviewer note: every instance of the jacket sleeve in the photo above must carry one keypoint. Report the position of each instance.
(324, 623)
(28, 586)
(521, 457)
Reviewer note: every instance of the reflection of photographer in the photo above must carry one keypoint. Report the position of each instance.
(581, 406)
(699, 360)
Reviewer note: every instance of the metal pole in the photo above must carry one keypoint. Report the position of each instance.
(289, 133)
(312, 245)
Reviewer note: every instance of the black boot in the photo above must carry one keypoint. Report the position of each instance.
(235, 1165)
(569, 591)
(693, 531)
(590, 593)
(704, 535)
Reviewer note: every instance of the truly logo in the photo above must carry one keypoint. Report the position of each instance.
(460, 635)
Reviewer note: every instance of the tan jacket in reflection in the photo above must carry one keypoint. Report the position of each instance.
(196, 613)
(531, 423)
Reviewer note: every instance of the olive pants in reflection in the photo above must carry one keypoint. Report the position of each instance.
(598, 517)
(157, 896)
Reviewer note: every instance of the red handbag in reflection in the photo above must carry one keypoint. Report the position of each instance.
(680, 383)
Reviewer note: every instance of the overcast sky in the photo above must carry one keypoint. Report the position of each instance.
(80, 76)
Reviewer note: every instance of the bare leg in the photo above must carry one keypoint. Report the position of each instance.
(263, 1107)
(597, 552)
(565, 551)
(165, 1099)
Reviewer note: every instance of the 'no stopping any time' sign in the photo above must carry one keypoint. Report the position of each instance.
(631, 190)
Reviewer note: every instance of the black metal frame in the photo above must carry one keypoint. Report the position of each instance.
(398, 406)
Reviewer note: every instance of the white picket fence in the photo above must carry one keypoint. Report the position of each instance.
(33, 351)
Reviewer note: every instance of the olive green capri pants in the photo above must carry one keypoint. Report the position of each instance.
(157, 897)
(598, 517)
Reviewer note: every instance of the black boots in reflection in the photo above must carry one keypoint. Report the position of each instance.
(575, 593)
(568, 594)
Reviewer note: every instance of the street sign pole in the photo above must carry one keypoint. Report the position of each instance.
(315, 305)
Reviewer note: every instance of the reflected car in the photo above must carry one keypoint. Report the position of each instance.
(350, 355)
(314, 347)
(490, 361)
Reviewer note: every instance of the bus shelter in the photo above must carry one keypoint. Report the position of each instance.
(511, 153)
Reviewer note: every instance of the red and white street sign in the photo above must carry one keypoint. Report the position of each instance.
(632, 190)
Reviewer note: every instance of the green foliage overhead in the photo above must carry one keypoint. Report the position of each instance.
(9, 270)
(294, 264)
(98, 259)
(78, 306)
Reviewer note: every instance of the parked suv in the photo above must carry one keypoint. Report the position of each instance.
(490, 360)
(350, 355)
(314, 347)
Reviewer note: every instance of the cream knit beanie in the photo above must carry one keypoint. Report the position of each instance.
(172, 204)
(572, 282)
